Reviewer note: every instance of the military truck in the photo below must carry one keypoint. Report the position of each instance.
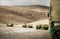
(54, 18)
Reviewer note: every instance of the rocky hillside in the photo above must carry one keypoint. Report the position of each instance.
(22, 14)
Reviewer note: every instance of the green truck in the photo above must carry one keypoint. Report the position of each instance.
(54, 18)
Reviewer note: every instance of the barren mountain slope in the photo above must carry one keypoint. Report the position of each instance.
(21, 14)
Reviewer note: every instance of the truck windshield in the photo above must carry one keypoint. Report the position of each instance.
(56, 23)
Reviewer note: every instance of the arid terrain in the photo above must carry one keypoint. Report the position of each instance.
(23, 33)
(22, 14)
(18, 15)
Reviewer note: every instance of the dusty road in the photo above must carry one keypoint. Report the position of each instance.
(23, 33)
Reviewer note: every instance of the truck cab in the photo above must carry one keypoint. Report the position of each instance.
(54, 19)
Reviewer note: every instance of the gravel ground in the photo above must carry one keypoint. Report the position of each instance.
(23, 33)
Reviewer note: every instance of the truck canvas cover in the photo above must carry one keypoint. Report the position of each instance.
(55, 10)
